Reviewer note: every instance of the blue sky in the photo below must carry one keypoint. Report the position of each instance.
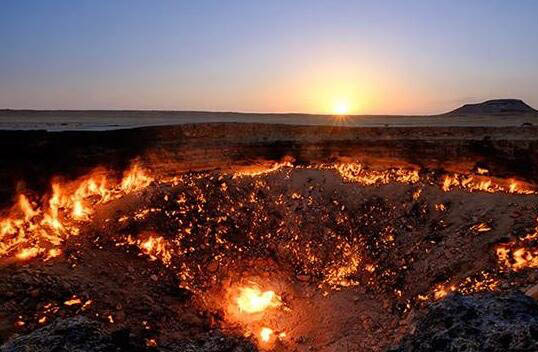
(277, 56)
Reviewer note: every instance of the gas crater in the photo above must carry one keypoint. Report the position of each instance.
(322, 256)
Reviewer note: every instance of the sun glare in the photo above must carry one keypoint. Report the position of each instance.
(341, 107)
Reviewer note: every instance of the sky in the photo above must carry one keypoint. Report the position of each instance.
(359, 57)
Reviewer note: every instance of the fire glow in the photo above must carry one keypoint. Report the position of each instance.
(253, 300)
(29, 230)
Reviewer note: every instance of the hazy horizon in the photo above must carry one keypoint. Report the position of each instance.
(383, 57)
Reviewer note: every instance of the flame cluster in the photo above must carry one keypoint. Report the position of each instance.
(520, 253)
(253, 303)
(517, 258)
(152, 245)
(474, 183)
(32, 228)
(357, 173)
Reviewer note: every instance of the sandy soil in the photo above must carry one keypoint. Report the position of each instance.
(107, 120)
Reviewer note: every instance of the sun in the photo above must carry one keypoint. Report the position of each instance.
(341, 107)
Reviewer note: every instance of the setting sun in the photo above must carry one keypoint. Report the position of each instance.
(341, 107)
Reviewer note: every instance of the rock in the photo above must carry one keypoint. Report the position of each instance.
(386, 304)
(482, 322)
(301, 339)
(213, 266)
(68, 335)
(533, 292)
(120, 316)
(148, 299)
(303, 278)
(366, 323)
(82, 335)
(213, 341)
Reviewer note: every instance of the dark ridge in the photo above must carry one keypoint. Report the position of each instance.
(496, 106)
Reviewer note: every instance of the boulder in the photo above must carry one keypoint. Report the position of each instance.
(483, 322)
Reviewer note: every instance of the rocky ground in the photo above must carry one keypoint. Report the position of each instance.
(483, 322)
(354, 265)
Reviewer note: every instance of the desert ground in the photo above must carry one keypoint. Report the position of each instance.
(105, 120)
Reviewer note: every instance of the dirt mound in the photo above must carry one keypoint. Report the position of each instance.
(484, 322)
(497, 106)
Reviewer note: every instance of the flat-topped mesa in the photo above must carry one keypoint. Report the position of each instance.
(496, 106)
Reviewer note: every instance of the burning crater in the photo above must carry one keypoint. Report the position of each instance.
(323, 256)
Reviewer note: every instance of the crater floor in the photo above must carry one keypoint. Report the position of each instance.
(351, 262)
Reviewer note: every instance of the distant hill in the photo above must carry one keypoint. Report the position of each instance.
(496, 106)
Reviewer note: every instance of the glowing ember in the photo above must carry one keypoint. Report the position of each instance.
(253, 300)
(443, 291)
(73, 301)
(481, 227)
(265, 334)
(151, 343)
(440, 207)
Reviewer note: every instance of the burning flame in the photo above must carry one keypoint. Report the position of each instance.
(518, 258)
(356, 172)
(29, 230)
(135, 179)
(253, 300)
(481, 183)
(265, 334)
(27, 253)
(261, 170)
(520, 253)
(154, 246)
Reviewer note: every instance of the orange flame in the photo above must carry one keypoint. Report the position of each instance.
(156, 247)
(482, 183)
(253, 300)
(135, 179)
(265, 334)
(29, 230)
(73, 301)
